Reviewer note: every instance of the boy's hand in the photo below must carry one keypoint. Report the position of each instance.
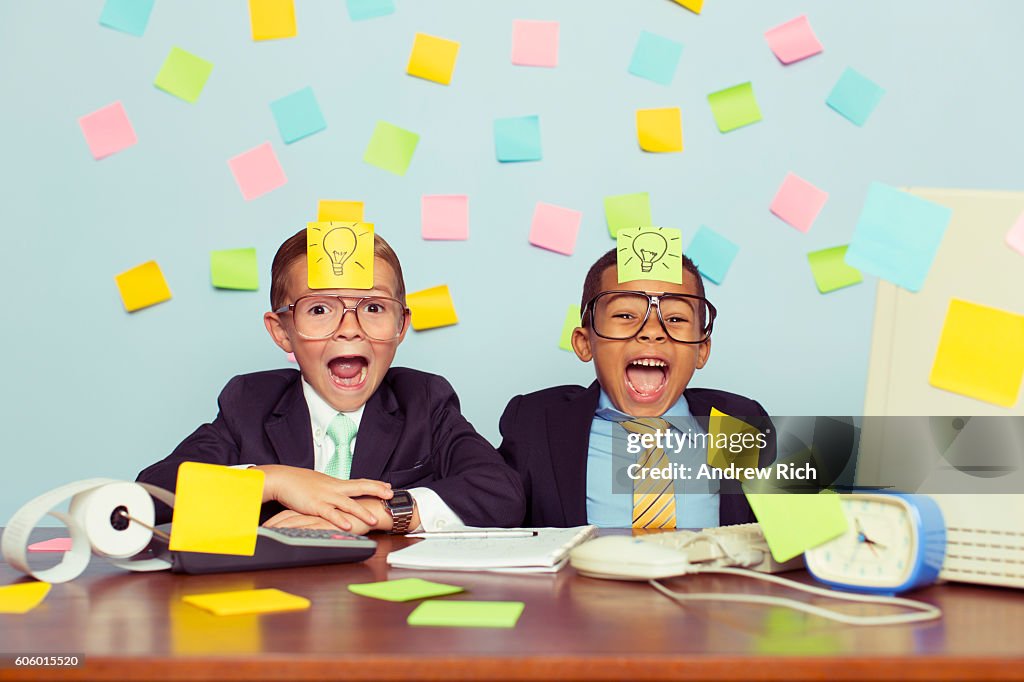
(293, 519)
(315, 494)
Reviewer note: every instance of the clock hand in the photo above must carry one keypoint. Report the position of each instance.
(862, 537)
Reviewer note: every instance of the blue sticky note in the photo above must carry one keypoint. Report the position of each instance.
(855, 96)
(655, 58)
(897, 236)
(517, 139)
(127, 16)
(298, 115)
(360, 10)
(712, 253)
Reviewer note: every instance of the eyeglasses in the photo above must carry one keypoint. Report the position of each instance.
(320, 316)
(620, 315)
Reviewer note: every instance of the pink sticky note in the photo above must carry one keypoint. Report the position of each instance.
(107, 130)
(52, 545)
(1015, 237)
(535, 43)
(798, 202)
(793, 40)
(257, 171)
(445, 216)
(555, 228)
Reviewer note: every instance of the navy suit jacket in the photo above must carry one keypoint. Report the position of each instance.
(546, 438)
(412, 434)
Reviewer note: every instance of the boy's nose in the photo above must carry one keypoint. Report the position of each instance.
(349, 327)
(652, 329)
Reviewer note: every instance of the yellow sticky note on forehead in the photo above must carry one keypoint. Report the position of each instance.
(340, 255)
(650, 253)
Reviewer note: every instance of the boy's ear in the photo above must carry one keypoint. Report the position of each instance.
(581, 344)
(405, 327)
(277, 332)
(703, 353)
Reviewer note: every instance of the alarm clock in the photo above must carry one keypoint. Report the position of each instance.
(894, 542)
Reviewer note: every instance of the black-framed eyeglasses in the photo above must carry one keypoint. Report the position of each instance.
(620, 315)
(319, 316)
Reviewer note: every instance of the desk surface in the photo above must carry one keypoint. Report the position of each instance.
(133, 626)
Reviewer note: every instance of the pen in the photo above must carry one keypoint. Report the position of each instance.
(476, 534)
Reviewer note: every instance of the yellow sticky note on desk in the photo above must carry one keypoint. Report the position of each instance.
(731, 441)
(340, 255)
(216, 509)
(272, 19)
(22, 597)
(331, 211)
(433, 58)
(659, 130)
(981, 353)
(142, 286)
(432, 308)
(795, 522)
(247, 601)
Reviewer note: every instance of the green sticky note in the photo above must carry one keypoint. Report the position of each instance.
(183, 74)
(405, 589)
(234, 269)
(627, 210)
(795, 522)
(831, 271)
(572, 320)
(391, 148)
(650, 253)
(734, 107)
(467, 614)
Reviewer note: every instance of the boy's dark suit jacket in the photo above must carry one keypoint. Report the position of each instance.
(412, 434)
(546, 436)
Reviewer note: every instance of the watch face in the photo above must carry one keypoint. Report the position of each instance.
(401, 500)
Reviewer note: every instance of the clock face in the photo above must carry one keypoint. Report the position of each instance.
(877, 550)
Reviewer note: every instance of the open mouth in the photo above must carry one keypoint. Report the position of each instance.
(348, 371)
(646, 379)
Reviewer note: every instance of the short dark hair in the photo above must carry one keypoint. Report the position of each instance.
(592, 284)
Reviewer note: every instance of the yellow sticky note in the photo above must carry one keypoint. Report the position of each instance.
(792, 523)
(731, 441)
(272, 19)
(433, 58)
(694, 6)
(432, 308)
(981, 353)
(247, 601)
(194, 632)
(22, 597)
(216, 509)
(331, 211)
(660, 130)
(142, 286)
(340, 255)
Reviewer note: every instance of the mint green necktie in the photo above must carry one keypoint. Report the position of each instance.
(341, 430)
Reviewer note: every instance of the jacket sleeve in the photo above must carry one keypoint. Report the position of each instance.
(514, 451)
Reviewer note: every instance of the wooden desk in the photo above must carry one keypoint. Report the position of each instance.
(133, 626)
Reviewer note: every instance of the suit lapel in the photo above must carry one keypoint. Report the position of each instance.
(379, 430)
(288, 429)
(568, 427)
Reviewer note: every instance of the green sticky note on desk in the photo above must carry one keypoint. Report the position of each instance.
(795, 522)
(234, 269)
(734, 107)
(467, 614)
(183, 74)
(406, 589)
(627, 210)
(831, 271)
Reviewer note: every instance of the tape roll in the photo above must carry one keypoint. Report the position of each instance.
(110, 533)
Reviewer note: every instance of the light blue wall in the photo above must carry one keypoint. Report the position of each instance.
(90, 390)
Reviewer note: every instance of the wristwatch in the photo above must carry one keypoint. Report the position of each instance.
(400, 507)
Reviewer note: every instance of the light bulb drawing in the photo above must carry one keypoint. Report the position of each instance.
(654, 248)
(649, 247)
(340, 243)
(340, 255)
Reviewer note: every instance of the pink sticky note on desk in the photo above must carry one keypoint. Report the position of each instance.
(793, 40)
(1015, 237)
(107, 130)
(798, 202)
(257, 171)
(51, 545)
(535, 43)
(445, 216)
(555, 228)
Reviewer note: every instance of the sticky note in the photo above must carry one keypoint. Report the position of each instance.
(329, 210)
(660, 130)
(650, 253)
(445, 216)
(793, 40)
(655, 58)
(627, 210)
(391, 148)
(1015, 237)
(795, 522)
(980, 353)
(432, 308)
(234, 269)
(216, 509)
(22, 597)
(183, 75)
(404, 589)
(142, 286)
(855, 96)
(291, 358)
(127, 16)
(340, 255)
(712, 253)
(298, 115)
(107, 130)
(257, 171)
(727, 437)
(555, 228)
(467, 614)
(52, 545)
(734, 107)
(433, 58)
(517, 139)
(535, 43)
(572, 320)
(897, 236)
(361, 10)
(831, 271)
(272, 19)
(247, 601)
(692, 5)
(798, 202)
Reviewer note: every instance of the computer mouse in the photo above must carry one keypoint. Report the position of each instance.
(620, 557)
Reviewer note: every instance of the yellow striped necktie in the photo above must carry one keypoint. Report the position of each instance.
(654, 500)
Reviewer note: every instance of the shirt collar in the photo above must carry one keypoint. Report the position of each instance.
(321, 413)
(606, 410)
